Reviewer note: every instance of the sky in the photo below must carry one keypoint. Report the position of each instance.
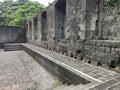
(45, 2)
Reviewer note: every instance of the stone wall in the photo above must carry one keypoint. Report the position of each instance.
(75, 21)
(111, 28)
(106, 51)
(78, 28)
(9, 34)
(103, 51)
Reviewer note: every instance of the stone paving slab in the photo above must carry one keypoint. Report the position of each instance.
(13, 75)
(19, 71)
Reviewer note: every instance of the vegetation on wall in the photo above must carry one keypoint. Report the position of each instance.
(17, 13)
(112, 3)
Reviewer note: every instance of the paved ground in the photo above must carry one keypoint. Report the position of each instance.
(18, 71)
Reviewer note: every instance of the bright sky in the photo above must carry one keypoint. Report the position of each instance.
(45, 2)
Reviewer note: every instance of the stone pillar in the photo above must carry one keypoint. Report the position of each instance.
(32, 22)
(100, 18)
(39, 28)
(91, 18)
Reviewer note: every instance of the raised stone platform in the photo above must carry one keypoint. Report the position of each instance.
(105, 79)
(100, 79)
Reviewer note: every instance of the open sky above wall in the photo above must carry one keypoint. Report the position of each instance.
(45, 2)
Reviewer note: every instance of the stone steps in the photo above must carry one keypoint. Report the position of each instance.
(10, 47)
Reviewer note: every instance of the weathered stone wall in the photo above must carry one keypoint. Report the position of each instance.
(9, 34)
(75, 21)
(71, 26)
(111, 28)
(103, 51)
(91, 20)
(106, 51)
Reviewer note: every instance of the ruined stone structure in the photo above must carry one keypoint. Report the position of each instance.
(79, 28)
(37, 57)
(11, 34)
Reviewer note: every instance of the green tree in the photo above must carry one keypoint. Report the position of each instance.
(24, 13)
(112, 3)
(6, 11)
(17, 13)
(22, 1)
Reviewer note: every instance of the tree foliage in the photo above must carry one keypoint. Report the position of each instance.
(17, 13)
(112, 3)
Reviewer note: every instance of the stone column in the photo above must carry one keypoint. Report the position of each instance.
(91, 18)
(100, 18)
(39, 28)
(32, 22)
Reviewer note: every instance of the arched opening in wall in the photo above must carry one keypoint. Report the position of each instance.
(30, 29)
(35, 29)
(60, 18)
(97, 31)
(44, 25)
